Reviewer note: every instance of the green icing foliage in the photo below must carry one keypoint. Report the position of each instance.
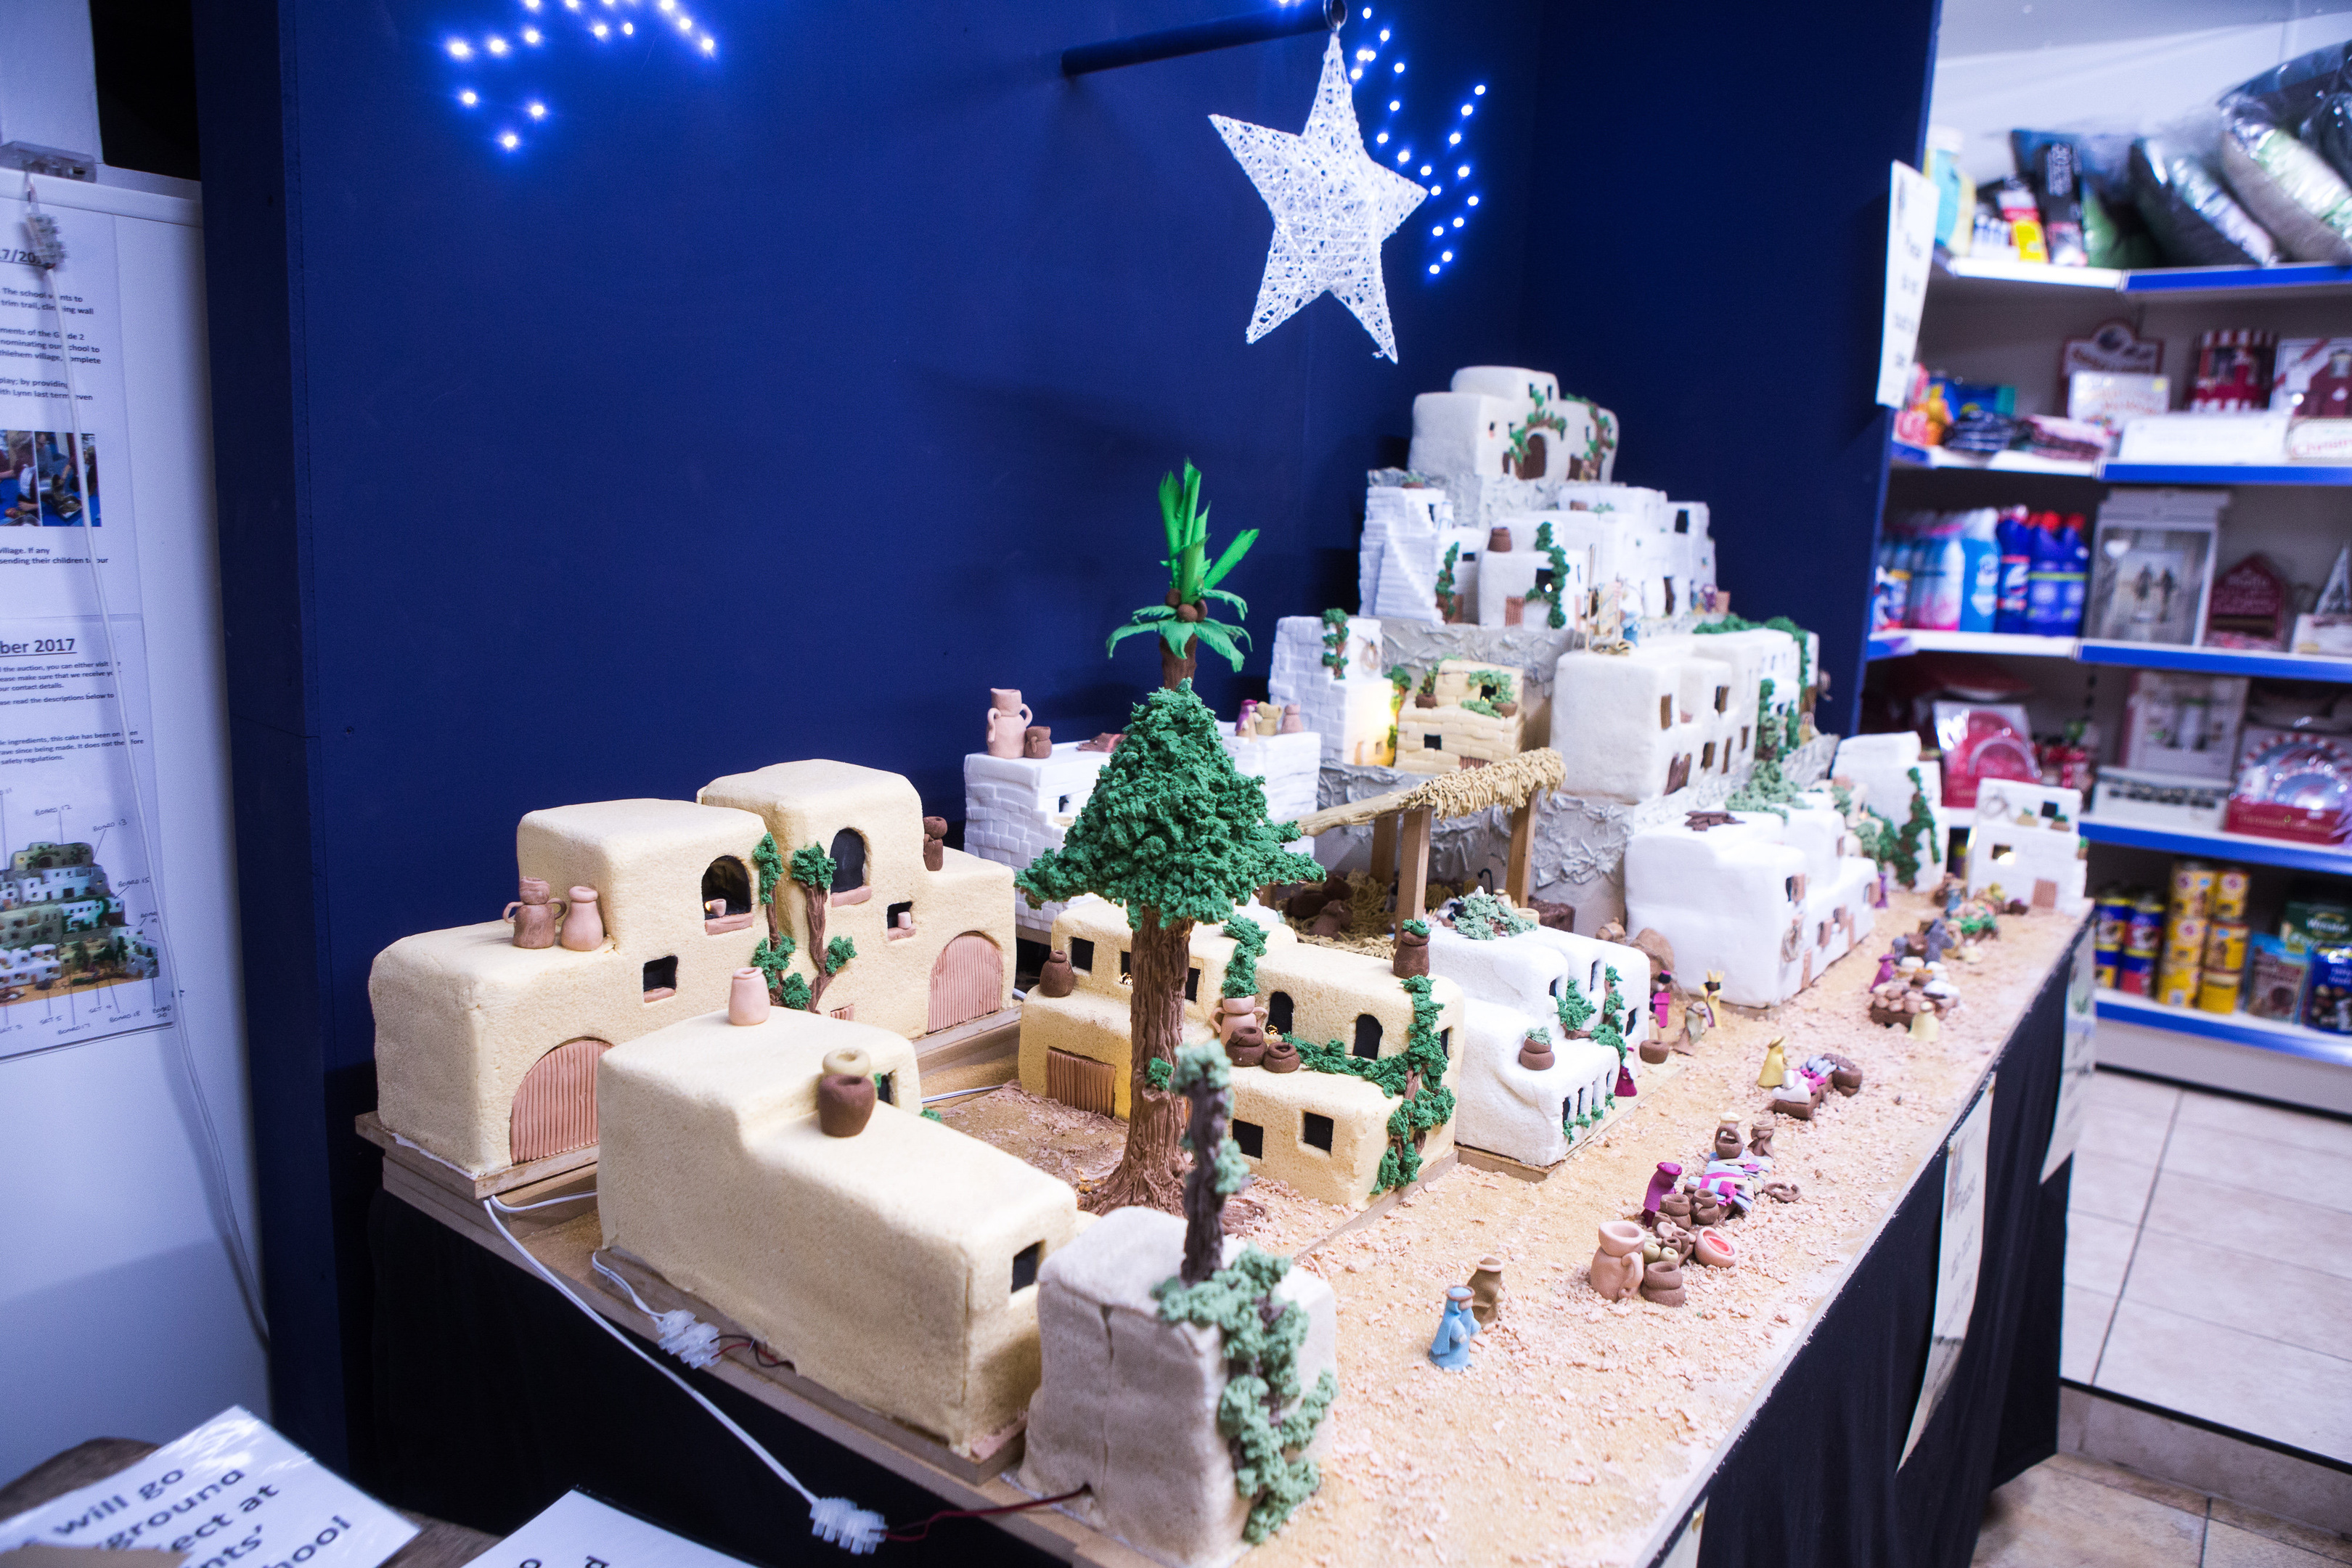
(1731, 622)
(1205, 1065)
(770, 862)
(1171, 824)
(935, 1116)
(1415, 928)
(1575, 1008)
(1766, 790)
(1558, 616)
(1262, 1336)
(1156, 1073)
(813, 868)
(1608, 1032)
(1484, 917)
(1446, 578)
(1915, 837)
(1249, 946)
(1192, 577)
(771, 956)
(1423, 1055)
(838, 952)
(1335, 642)
(793, 992)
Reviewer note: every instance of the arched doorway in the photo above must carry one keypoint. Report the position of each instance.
(966, 982)
(555, 1105)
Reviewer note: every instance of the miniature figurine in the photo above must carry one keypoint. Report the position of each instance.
(845, 1093)
(1674, 1238)
(1661, 999)
(1924, 1026)
(1661, 1182)
(1727, 1137)
(1616, 1270)
(1057, 978)
(1106, 742)
(1699, 1013)
(1779, 1192)
(1412, 955)
(1292, 724)
(1449, 1350)
(1708, 1206)
(1759, 1140)
(747, 997)
(533, 921)
(1007, 720)
(1879, 898)
(1885, 969)
(1776, 1068)
(584, 922)
(1625, 1089)
(1486, 1291)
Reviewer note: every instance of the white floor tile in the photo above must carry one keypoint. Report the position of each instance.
(2272, 1168)
(2082, 1332)
(2269, 1297)
(2098, 1250)
(2227, 1546)
(2139, 1096)
(2222, 1214)
(2126, 1134)
(2270, 1123)
(2220, 1373)
(2110, 1188)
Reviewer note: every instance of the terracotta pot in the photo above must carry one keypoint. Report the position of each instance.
(1727, 1140)
(1037, 743)
(1486, 1291)
(1706, 1208)
(1292, 724)
(1507, 709)
(584, 922)
(1674, 1238)
(1499, 540)
(1412, 954)
(1759, 1140)
(1424, 700)
(935, 845)
(1233, 1014)
(533, 920)
(1715, 1250)
(1281, 1056)
(1675, 1206)
(1250, 1053)
(1536, 1053)
(1662, 1282)
(1057, 978)
(1653, 1049)
(747, 997)
(1846, 1077)
(1331, 921)
(845, 1093)
(1008, 721)
(1616, 1269)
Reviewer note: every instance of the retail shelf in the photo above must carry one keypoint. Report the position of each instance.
(2239, 1028)
(2335, 859)
(2226, 474)
(1905, 455)
(1999, 277)
(2216, 661)
(2240, 281)
(1894, 643)
(2002, 278)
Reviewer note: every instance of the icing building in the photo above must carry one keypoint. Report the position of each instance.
(1475, 719)
(486, 1051)
(2026, 841)
(1323, 1133)
(1768, 903)
(1332, 669)
(1880, 767)
(1640, 724)
(896, 1267)
(1016, 808)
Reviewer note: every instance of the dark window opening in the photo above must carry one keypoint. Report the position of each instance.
(1192, 983)
(2050, 810)
(891, 915)
(1706, 756)
(146, 60)
(1666, 712)
(1126, 963)
(726, 883)
(1024, 1265)
(1062, 805)
(1446, 1044)
(1789, 886)
(1368, 1036)
(661, 974)
(1250, 1138)
(1433, 742)
(886, 1087)
(1317, 1133)
(1682, 520)
(1082, 954)
(1743, 737)
(1555, 986)
(1722, 697)
(1277, 1012)
(848, 861)
(1545, 579)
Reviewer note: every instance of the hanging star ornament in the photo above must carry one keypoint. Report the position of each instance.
(1332, 207)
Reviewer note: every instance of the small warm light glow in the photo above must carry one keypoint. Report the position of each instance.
(1457, 223)
(1424, 171)
(1463, 173)
(1455, 140)
(1384, 35)
(571, 4)
(601, 30)
(1465, 108)
(469, 98)
(1357, 74)
(630, 28)
(495, 44)
(709, 45)
(539, 111)
(686, 23)
(1381, 140)
(1474, 201)
(1433, 267)
(460, 49)
(1367, 54)
(1394, 105)
(510, 141)
(1445, 256)
(1404, 154)
(1437, 231)
(1437, 190)
(1398, 67)
(1480, 90)
(531, 36)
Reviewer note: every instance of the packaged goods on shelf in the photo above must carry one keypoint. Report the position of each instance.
(2195, 221)
(2233, 371)
(2152, 567)
(2205, 440)
(2292, 784)
(2326, 629)
(2066, 440)
(2276, 975)
(2107, 398)
(2327, 1004)
(1983, 741)
(2311, 378)
(2183, 726)
(2248, 607)
(2130, 797)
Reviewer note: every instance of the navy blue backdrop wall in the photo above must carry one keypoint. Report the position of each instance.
(777, 403)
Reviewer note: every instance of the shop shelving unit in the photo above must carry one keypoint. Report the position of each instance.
(1984, 286)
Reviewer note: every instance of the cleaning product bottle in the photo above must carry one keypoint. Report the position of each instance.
(2042, 585)
(1981, 568)
(2016, 535)
(1947, 577)
(2074, 583)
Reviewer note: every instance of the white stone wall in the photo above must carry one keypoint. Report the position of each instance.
(2026, 839)
(1349, 715)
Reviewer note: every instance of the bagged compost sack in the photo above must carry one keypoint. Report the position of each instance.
(2288, 188)
(2195, 222)
(2295, 97)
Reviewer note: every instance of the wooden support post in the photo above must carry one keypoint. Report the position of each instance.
(1517, 869)
(1384, 848)
(1413, 873)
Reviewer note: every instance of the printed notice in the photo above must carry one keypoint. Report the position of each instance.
(230, 1494)
(1959, 1258)
(1910, 252)
(2080, 1048)
(578, 1532)
(79, 915)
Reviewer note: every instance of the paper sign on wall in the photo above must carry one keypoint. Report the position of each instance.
(2081, 1057)
(578, 1532)
(1959, 1258)
(230, 1494)
(1910, 252)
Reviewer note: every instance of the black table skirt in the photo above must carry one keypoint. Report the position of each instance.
(494, 1395)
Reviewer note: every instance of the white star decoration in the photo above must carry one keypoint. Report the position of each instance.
(1332, 207)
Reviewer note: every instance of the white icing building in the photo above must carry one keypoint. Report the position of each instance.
(1636, 726)
(1350, 706)
(2027, 840)
(1880, 767)
(1768, 903)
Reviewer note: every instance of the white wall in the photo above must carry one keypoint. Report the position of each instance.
(119, 1309)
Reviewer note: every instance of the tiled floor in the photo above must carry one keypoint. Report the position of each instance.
(2071, 1512)
(2202, 1272)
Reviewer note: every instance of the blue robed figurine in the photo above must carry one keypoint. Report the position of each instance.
(1451, 1349)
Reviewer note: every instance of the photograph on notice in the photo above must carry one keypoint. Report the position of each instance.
(37, 485)
(2149, 581)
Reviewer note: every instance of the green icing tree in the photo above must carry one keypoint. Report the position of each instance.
(1549, 593)
(1174, 834)
(1249, 946)
(1335, 643)
(1182, 621)
(813, 870)
(1575, 1009)
(1447, 607)
(1915, 837)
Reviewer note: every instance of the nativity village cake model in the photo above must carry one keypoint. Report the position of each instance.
(728, 1004)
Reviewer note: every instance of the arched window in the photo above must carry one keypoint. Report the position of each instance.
(1368, 1036)
(848, 853)
(726, 889)
(1277, 1012)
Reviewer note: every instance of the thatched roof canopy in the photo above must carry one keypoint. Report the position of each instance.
(1512, 782)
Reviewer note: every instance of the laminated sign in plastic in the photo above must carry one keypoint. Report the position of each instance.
(1910, 251)
(578, 1530)
(2081, 1057)
(1959, 1258)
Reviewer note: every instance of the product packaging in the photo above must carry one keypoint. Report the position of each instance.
(2015, 532)
(2292, 784)
(1956, 193)
(2248, 607)
(2192, 891)
(1983, 741)
(2151, 572)
(2327, 1004)
(2312, 377)
(2057, 178)
(2230, 885)
(2143, 941)
(2111, 918)
(2276, 977)
(2289, 188)
(2195, 221)
(2183, 726)
(2136, 799)
(2024, 216)
(2233, 371)
(2307, 923)
(2328, 628)
(2106, 398)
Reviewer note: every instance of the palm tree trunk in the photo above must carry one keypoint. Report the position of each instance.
(1176, 668)
(1149, 1174)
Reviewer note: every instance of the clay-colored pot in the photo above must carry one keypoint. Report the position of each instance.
(1674, 1238)
(1249, 1053)
(1499, 540)
(747, 997)
(532, 918)
(1536, 1053)
(1661, 1282)
(845, 1093)
(1759, 1140)
(935, 845)
(1281, 1056)
(1232, 1015)
(1057, 978)
(1037, 743)
(584, 922)
(1331, 921)
(1412, 954)
(1707, 1208)
(1008, 721)
(1616, 1270)
(1292, 724)
(1675, 1206)
(1715, 1250)
(1424, 700)
(1486, 1291)
(1653, 1049)
(1845, 1076)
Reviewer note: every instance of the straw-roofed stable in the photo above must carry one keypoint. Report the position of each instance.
(1511, 783)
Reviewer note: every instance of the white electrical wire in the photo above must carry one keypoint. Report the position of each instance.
(42, 230)
(835, 1520)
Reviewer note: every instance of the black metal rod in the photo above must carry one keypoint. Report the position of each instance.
(1287, 22)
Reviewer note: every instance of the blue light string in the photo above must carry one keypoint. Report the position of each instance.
(1442, 164)
(480, 56)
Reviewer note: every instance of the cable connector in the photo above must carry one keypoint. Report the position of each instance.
(841, 1523)
(686, 1337)
(41, 233)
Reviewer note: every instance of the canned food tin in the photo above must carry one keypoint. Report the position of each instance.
(2225, 948)
(2192, 887)
(2229, 900)
(2185, 935)
(2145, 934)
(2176, 983)
(2218, 994)
(2135, 974)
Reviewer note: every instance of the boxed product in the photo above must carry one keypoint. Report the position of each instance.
(2247, 605)
(2134, 798)
(2311, 378)
(1983, 741)
(2292, 784)
(2327, 1004)
(2276, 977)
(2328, 628)
(2204, 438)
(2183, 726)
(2319, 441)
(2149, 576)
(2308, 923)
(2233, 371)
(2109, 398)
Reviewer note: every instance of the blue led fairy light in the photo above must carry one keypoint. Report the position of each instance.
(1439, 156)
(514, 109)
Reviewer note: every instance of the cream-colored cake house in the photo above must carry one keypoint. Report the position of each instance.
(486, 1052)
(1320, 1133)
(1768, 902)
(1438, 740)
(2027, 842)
(896, 1267)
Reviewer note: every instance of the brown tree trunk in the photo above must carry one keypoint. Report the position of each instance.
(1148, 1173)
(1205, 1207)
(1176, 668)
(817, 899)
